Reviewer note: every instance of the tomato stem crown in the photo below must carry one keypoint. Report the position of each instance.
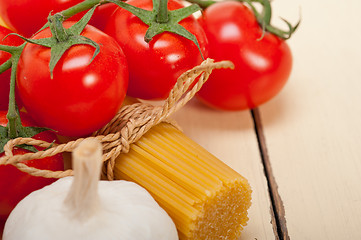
(62, 39)
(56, 27)
(160, 19)
(264, 19)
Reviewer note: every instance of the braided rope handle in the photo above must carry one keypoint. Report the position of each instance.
(130, 124)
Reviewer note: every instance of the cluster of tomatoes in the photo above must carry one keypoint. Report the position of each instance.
(82, 95)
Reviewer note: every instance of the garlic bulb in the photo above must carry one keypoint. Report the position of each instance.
(82, 207)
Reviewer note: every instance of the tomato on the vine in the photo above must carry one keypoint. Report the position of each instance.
(83, 95)
(155, 66)
(4, 56)
(263, 61)
(15, 184)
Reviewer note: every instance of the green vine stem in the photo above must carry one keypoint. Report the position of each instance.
(80, 7)
(162, 16)
(263, 18)
(5, 66)
(14, 127)
(12, 114)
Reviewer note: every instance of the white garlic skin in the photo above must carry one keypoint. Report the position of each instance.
(126, 212)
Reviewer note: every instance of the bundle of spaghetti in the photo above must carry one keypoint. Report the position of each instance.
(205, 198)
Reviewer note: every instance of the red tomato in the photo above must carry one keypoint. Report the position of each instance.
(155, 67)
(16, 14)
(101, 15)
(15, 184)
(262, 67)
(82, 96)
(27, 17)
(5, 76)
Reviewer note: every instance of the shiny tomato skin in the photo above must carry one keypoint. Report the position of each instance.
(262, 64)
(16, 13)
(27, 17)
(82, 96)
(101, 15)
(5, 76)
(155, 66)
(15, 184)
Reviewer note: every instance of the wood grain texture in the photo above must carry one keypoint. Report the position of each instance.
(312, 129)
(230, 136)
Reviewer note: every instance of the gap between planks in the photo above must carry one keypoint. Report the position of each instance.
(277, 208)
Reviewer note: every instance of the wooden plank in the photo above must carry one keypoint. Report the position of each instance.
(312, 129)
(230, 136)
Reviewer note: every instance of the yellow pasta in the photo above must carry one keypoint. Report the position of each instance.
(205, 198)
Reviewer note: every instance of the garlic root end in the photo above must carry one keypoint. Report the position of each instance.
(82, 200)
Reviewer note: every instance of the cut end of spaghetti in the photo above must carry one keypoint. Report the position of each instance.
(224, 215)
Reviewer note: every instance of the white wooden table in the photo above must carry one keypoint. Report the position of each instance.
(305, 171)
(312, 131)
